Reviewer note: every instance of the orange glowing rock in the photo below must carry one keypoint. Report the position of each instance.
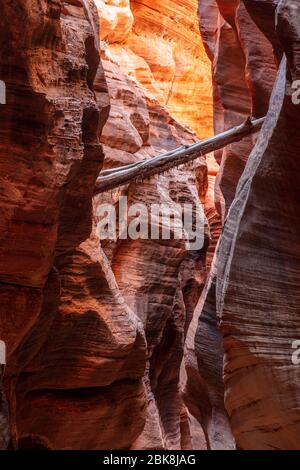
(162, 49)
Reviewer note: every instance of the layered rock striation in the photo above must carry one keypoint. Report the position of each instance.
(50, 159)
(244, 310)
(158, 44)
(108, 344)
(257, 290)
(159, 280)
(96, 340)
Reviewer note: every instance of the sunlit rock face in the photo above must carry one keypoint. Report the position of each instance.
(116, 19)
(96, 338)
(155, 82)
(109, 346)
(159, 280)
(158, 43)
(124, 306)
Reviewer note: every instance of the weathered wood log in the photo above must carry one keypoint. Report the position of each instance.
(115, 177)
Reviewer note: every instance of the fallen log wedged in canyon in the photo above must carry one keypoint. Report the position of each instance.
(142, 344)
(111, 179)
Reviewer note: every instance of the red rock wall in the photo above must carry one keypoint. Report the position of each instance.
(50, 159)
(257, 292)
(240, 347)
(108, 345)
(243, 71)
(157, 42)
(242, 82)
(100, 361)
(160, 281)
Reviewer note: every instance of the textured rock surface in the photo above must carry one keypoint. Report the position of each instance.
(154, 65)
(50, 158)
(107, 341)
(45, 129)
(243, 76)
(252, 289)
(159, 280)
(157, 42)
(124, 308)
(257, 288)
(98, 351)
(4, 419)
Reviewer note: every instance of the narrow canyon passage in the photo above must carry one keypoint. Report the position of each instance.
(159, 85)
(130, 341)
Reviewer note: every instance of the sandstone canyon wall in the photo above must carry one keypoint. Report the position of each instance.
(158, 44)
(143, 344)
(243, 72)
(244, 309)
(260, 251)
(50, 159)
(99, 356)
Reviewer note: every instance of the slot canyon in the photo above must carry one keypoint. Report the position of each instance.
(141, 343)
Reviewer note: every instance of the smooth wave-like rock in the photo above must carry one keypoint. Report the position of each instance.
(100, 364)
(50, 159)
(141, 343)
(257, 290)
(243, 73)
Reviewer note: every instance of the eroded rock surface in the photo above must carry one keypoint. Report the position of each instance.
(50, 159)
(109, 346)
(244, 71)
(256, 262)
(257, 292)
(101, 340)
(157, 42)
(159, 280)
